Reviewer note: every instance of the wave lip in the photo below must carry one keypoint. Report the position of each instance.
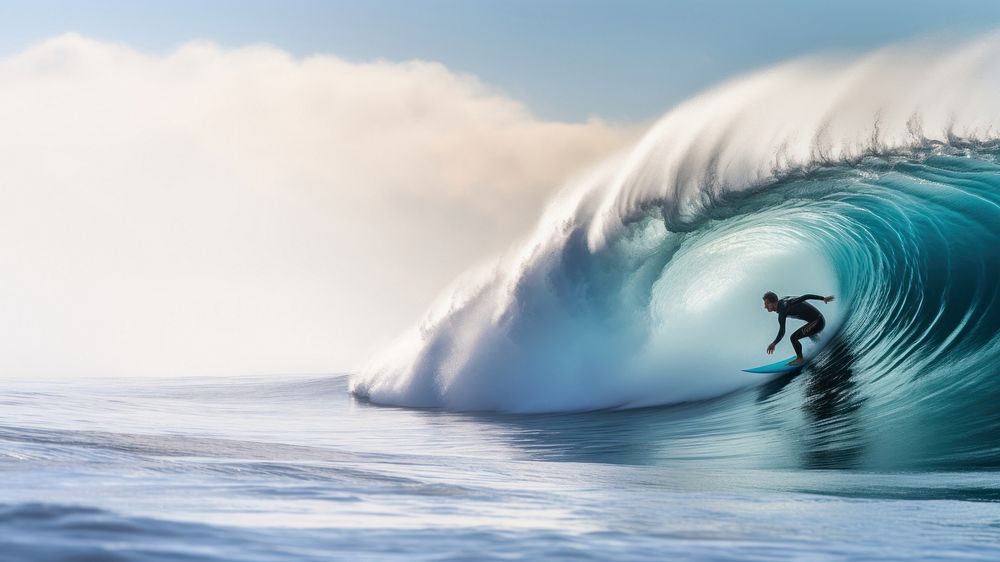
(641, 284)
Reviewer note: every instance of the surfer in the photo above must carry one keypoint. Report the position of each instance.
(796, 307)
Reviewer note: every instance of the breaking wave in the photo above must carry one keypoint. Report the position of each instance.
(874, 179)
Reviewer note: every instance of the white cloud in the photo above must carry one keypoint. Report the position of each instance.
(243, 211)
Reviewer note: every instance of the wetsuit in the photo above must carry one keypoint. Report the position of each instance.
(797, 307)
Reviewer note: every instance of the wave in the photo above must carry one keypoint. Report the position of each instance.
(874, 179)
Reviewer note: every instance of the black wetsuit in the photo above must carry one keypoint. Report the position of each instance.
(797, 307)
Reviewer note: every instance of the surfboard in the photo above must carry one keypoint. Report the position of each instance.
(779, 367)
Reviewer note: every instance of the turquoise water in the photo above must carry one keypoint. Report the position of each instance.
(669, 311)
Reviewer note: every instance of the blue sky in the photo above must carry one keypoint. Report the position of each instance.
(566, 59)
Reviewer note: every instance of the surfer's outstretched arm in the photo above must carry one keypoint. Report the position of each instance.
(810, 297)
(781, 333)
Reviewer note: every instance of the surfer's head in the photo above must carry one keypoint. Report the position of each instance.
(770, 301)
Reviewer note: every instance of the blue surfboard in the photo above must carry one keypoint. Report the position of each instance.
(779, 367)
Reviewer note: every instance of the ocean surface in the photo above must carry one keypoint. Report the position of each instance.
(296, 468)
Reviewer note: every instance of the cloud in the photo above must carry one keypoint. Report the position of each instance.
(245, 211)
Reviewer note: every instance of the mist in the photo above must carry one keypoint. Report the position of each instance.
(243, 211)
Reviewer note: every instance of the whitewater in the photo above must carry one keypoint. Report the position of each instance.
(581, 397)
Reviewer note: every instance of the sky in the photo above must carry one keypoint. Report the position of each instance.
(202, 188)
(566, 59)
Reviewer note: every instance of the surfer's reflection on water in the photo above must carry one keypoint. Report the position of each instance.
(833, 436)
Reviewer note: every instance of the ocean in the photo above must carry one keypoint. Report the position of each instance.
(296, 468)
